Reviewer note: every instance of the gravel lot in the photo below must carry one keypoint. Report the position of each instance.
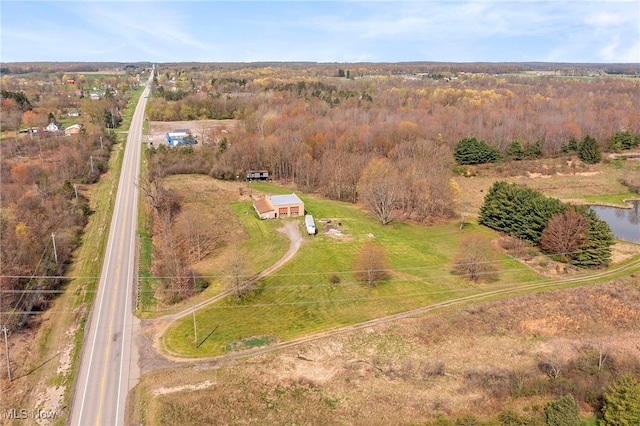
(205, 131)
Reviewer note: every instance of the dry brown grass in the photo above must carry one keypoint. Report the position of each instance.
(477, 359)
(563, 178)
(211, 198)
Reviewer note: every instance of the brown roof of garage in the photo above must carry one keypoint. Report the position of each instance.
(262, 206)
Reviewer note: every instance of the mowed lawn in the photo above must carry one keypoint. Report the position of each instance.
(302, 298)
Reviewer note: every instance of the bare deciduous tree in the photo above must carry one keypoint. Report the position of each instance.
(371, 264)
(196, 233)
(550, 366)
(379, 188)
(476, 258)
(237, 277)
(565, 233)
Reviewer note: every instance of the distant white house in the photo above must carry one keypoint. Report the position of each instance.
(53, 127)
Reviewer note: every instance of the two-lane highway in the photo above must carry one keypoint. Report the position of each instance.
(106, 368)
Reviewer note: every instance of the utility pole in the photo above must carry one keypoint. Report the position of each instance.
(6, 346)
(195, 332)
(55, 252)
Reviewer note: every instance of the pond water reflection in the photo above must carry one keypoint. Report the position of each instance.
(624, 223)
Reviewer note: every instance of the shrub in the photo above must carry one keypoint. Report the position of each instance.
(562, 412)
(623, 140)
(516, 247)
(622, 403)
(589, 151)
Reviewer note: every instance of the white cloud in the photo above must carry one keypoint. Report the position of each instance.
(607, 19)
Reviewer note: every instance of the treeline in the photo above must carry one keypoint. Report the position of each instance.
(49, 67)
(180, 237)
(42, 186)
(473, 151)
(574, 233)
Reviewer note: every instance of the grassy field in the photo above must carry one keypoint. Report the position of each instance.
(299, 298)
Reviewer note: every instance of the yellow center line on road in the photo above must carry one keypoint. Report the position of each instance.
(112, 317)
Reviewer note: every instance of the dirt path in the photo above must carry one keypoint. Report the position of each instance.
(153, 330)
(217, 360)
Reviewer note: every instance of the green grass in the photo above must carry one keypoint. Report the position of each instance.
(299, 299)
(146, 301)
(615, 199)
(264, 245)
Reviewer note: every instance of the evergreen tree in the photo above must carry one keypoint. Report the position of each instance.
(524, 213)
(622, 403)
(589, 151)
(571, 146)
(518, 211)
(473, 151)
(515, 151)
(534, 151)
(562, 412)
(623, 140)
(596, 251)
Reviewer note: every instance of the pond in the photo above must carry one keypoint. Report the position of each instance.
(624, 223)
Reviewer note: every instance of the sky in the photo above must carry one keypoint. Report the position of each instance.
(343, 31)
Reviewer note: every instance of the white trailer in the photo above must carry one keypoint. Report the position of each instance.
(310, 224)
